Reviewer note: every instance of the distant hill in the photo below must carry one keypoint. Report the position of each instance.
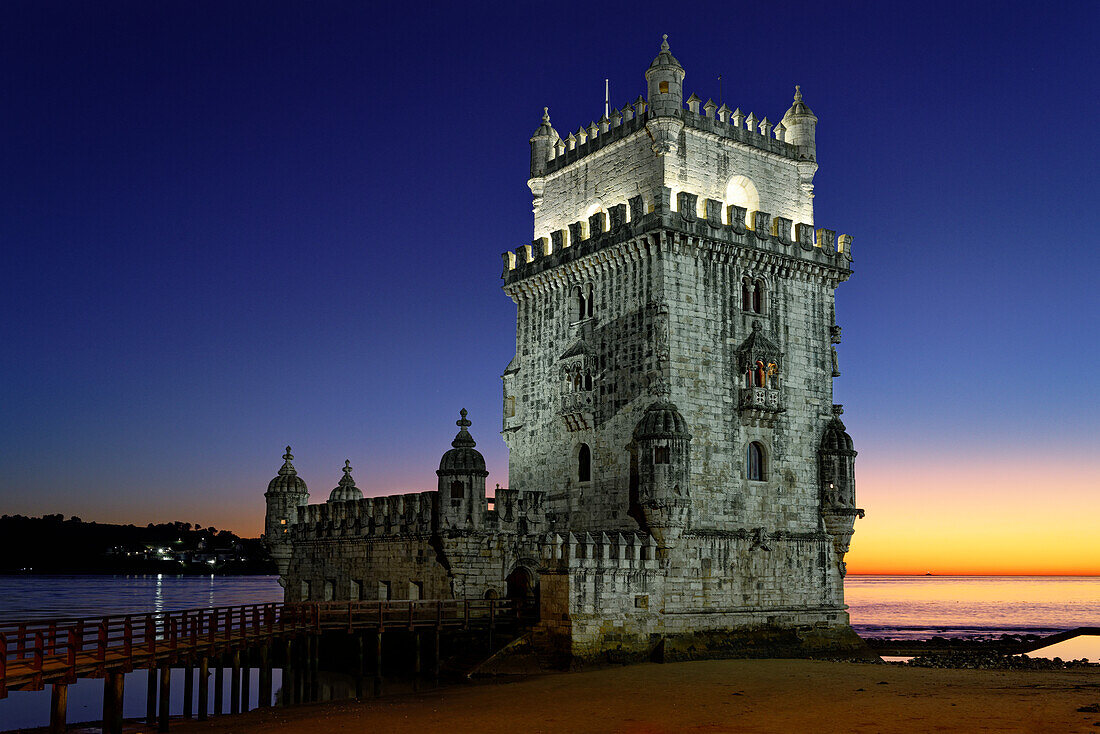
(52, 544)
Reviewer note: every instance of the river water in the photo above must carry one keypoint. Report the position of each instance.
(911, 607)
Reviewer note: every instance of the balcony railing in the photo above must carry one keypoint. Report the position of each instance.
(761, 398)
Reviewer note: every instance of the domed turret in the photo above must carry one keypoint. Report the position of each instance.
(838, 485)
(462, 481)
(801, 124)
(346, 491)
(542, 142)
(285, 494)
(287, 480)
(662, 447)
(665, 82)
(661, 420)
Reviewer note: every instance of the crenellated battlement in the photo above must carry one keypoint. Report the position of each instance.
(727, 124)
(395, 514)
(621, 551)
(683, 212)
(414, 514)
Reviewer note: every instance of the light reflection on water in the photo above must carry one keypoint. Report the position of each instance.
(918, 607)
(880, 606)
(24, 597)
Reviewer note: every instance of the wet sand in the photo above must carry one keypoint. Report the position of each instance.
(713, 696)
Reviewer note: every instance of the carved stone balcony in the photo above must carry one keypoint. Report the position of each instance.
(577, 408)
(762, 404)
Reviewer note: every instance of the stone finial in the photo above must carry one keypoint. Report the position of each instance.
(780, 130)
(797, 92)
(693, 103)
(616, 118)
(571, 142)
(737, 118)
(724, 113)
(463, 439)
(838, 410)
(709, 108)
(546, 115)
(765, 127)
(347, 468)
(605, 124)
(287, 469)
(751, 122)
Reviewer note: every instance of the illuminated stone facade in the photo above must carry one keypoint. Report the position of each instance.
(681, 481)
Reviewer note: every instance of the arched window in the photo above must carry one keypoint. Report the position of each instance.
(581, 308)
(587, 380)
(758, 297)
(760, 375)
(756, 468)
(660, 454)
(457, 490)
(584, 463)
(746, 295)
(590, 301)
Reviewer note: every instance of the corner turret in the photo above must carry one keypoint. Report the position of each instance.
(462, 481)
(285, 494)
(665, 81)
(542, 143)
(663, 447)
(801, 127)
(838, 486)
(346, 491)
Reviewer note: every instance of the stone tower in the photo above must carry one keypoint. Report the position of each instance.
(286, 493)
(681, 484)
(674, 357)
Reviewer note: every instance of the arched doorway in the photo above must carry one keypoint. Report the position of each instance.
(522, 589)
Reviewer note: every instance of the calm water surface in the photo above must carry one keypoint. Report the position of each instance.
(914, 607)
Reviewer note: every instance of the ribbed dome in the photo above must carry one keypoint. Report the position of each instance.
(836, 440)
(661, 420)
(288, 479)
(545, 130)
(346, 490)
(664, 56)
(799, 108)
(463, 458)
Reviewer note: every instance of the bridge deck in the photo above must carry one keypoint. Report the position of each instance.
(34, 653)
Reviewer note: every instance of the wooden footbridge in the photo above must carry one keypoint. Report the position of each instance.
(59, 652)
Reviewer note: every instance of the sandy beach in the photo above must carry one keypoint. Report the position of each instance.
(714, 696)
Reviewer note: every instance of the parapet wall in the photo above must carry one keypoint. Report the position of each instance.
(686, 212)
(413, 514)
(396, 514)
(720, 121)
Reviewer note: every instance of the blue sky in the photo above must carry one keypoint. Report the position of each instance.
(232, 226)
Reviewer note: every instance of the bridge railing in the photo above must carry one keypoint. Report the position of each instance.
(63, 649)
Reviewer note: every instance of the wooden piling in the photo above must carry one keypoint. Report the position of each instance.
(151, 698)
(59, 703)
(165, 697)
(264, 695)
(219, 686)
(188, 691)
(436, 662)
(378, 663)
(235, 682)
(204, 688)
(246, 682)
(113, 686)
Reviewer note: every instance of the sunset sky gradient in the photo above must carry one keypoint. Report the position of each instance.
(232, 226)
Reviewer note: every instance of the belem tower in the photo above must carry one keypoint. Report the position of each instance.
(679, 475)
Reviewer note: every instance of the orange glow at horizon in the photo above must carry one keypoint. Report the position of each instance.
(971, 515)
(957, 515)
